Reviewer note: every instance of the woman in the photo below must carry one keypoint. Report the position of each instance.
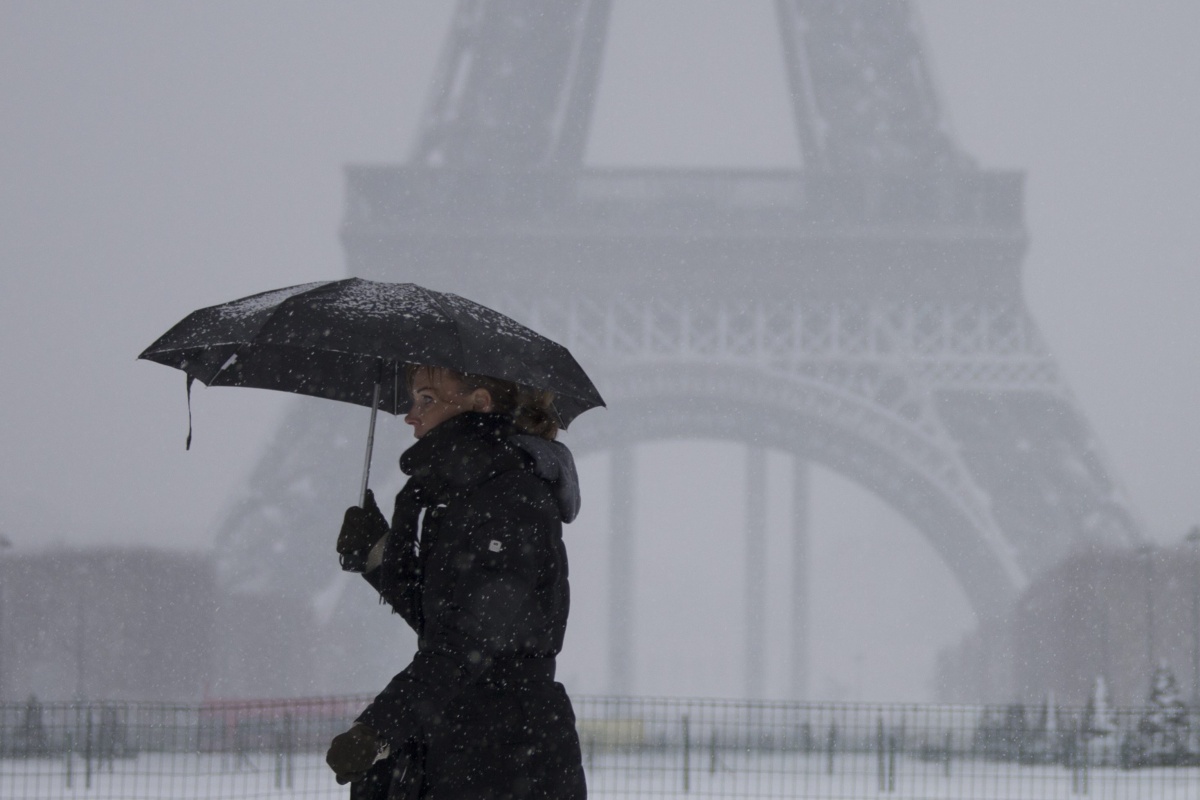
(477, 714)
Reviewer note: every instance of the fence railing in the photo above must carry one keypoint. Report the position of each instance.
(632, 748)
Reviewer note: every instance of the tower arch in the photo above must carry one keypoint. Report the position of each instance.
(819, 423)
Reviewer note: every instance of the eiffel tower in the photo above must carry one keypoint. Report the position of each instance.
(863, 312)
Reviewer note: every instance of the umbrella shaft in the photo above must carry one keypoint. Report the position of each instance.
(362, 492)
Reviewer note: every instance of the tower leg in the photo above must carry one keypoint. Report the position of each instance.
(620, 564)
(756, 570)
(800, 516)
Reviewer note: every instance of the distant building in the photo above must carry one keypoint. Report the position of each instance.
(139, 623)
(1115, 614)
(130, 623)
(265, 647)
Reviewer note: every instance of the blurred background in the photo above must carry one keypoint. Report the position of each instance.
(158, 158)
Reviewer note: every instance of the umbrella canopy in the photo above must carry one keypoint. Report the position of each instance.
(349, 339)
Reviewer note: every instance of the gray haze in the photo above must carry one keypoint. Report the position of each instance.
(157, 158)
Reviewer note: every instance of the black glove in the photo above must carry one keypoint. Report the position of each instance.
(361, 529)
(352, 753)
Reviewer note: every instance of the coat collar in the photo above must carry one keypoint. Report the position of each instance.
(463, 452)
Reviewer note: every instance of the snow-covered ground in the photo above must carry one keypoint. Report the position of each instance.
(658, 774)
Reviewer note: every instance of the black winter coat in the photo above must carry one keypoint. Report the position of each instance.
(477, 714)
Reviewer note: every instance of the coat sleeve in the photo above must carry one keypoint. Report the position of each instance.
(398, 578)
(492, 604)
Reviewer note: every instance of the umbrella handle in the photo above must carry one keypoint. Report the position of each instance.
(362, 492)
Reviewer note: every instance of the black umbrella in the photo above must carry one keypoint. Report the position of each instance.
(349, 340)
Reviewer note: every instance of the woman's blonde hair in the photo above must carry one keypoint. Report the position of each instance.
(531, 409)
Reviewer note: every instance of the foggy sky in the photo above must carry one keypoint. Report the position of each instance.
(157, 158)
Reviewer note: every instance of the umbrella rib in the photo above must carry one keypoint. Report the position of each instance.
(269, 319)
(434, 296)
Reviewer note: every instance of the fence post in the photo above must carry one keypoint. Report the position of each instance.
(1086, 758)
(1079, 765)
(70, 756)
(946, 751)
(223, 740)
(289, 744)
(891, 780)
(241, 745)
(882, 778)
(686, 756)
(278, 758)
(87, 752)
(831, 745)
(712, 752)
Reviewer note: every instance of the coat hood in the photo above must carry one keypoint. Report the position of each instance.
(553, 463)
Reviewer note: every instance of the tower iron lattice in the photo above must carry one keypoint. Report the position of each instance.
(863, 312)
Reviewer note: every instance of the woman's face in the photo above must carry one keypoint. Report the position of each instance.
(437, 396)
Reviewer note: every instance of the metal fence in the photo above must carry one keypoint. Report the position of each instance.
(632, 748)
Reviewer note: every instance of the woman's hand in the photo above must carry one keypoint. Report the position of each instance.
(352, 753)
(361, 529)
